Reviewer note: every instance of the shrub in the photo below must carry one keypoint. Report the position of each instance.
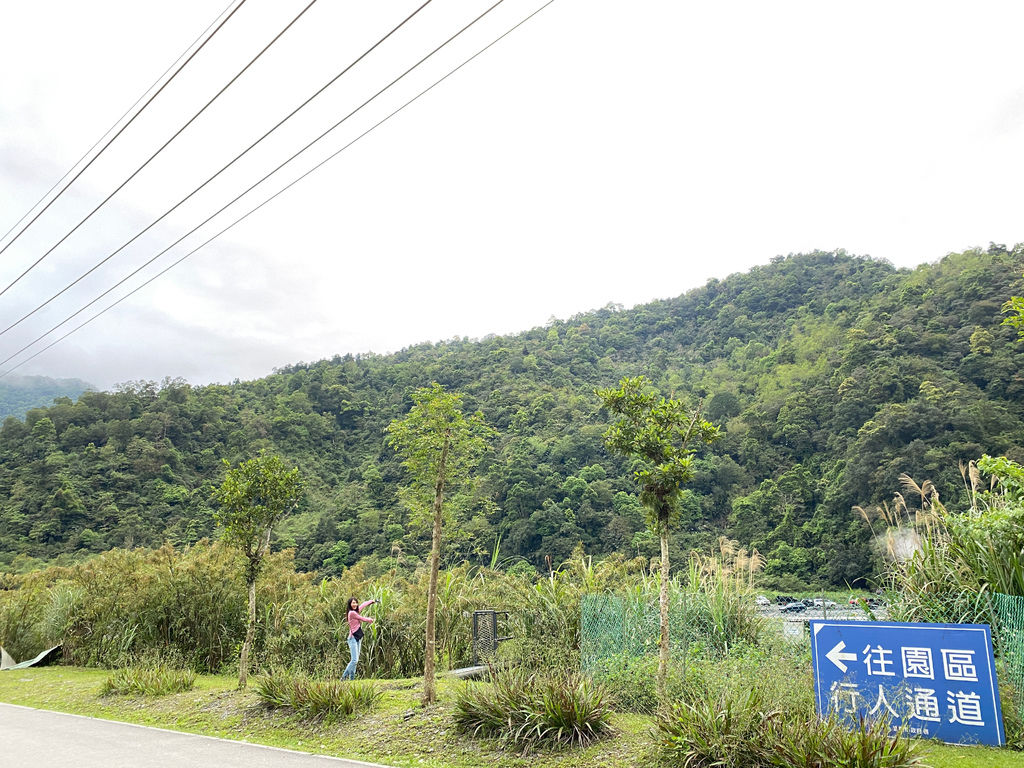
(630, 681)
(317, 700)
(530, 710)
(727, 732)
(737, 730)
(780, 674)
(817, 743)
(23, 631)
(158, 680)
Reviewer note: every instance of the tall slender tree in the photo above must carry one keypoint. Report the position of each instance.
(658, 433)
(440, 446)
(254, 496)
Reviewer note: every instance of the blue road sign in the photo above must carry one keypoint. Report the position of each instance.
(933, 680)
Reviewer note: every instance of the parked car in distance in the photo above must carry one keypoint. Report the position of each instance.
(795, 607)
(784, 599)
(762, 600)
(871, 602)
(823, 603)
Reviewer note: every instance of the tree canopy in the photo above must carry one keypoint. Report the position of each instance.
(829, 374)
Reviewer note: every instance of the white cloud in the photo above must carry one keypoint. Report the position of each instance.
(596, 155)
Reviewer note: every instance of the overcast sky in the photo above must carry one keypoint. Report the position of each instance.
(603, 152)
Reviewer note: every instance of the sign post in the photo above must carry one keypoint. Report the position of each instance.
(931, 680)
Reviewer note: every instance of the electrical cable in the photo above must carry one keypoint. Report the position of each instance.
(238, 157)
(238, 221)
(117, 123)
(264, 178)
(153, 156)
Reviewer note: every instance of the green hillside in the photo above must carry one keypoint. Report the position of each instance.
(830, 374)
(20, 393)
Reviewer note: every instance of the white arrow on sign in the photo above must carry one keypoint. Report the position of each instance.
(837, 657)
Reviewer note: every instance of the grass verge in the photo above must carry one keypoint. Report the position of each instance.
(398, 732)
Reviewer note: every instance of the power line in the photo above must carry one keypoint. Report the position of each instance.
(153, 156)
(238, 157)
(238, 221)
(115, 136)
(116, 123)
(264, 178)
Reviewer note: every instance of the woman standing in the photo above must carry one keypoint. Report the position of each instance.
(355, 634)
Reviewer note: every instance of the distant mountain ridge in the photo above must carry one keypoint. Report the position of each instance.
(830, 374)
(18, 394)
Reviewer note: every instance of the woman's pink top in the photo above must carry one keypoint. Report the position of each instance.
(354, 618)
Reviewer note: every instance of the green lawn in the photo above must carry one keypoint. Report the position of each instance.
(973, 757)
(398, 733)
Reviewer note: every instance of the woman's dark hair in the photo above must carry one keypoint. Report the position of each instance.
(353, 600)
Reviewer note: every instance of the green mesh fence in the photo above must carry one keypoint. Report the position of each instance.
(617, 627)
(1009, 638)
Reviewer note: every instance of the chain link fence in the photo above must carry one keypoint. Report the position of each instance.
(1008, 629)
(622, 627)
(616, 627)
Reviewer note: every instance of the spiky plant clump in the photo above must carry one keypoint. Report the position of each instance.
(737, 730)
(868, 744)
(321, 701)
(158, 680)
(530, 710)
(730, 732)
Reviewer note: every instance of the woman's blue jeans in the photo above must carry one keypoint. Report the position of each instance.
(354, 647)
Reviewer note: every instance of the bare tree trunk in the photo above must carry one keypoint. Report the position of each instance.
(243, 663)
(251, 572)
(429, 672)
(663, 600)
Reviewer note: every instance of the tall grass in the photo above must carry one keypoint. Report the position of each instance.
(942, 564)
(23, 627)
(189, 605)
(718, 596)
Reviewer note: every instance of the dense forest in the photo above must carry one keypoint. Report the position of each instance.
(830, 375)
(20, 393)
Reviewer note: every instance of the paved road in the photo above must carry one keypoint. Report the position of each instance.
(35, 738)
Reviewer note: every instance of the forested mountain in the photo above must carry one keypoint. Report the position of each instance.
(830, 374)
(19, 393)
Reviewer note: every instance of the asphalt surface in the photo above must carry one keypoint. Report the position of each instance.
(35, 738)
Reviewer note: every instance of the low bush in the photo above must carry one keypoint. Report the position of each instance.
(738, 730)
(530, 710)
(322, 701)
(780, 674)
(728, 732)
(821, 743)
(630, 681)
(148, 681)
